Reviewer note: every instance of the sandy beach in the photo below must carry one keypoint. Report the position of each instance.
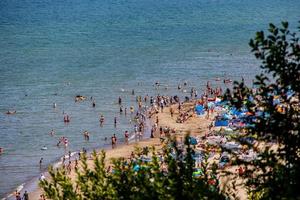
(195, 125)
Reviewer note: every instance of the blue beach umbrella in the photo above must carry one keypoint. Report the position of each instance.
(193, 141)
(136, 168)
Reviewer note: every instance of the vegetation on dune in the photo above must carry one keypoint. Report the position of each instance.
(275, 100)
(168, 176)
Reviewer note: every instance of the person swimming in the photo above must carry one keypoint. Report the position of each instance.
(44, 148)
(11, 112)
(52, 133)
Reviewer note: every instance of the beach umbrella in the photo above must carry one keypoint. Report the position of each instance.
(197, 173)
(136, 168)
(193, 141)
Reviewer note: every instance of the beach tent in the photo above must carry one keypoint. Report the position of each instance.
(218, 100)
(210, 105)
(231, 145)
(197, 172)
(221, 123)
(226, 116)
(199, 110)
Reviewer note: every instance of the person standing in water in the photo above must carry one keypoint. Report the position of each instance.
(126, 134)
(86, 135)
(101, 120)
(113, 141)
(52, 133)
(115, 122)
(41, 162)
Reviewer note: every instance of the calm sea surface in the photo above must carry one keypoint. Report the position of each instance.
(51, 51)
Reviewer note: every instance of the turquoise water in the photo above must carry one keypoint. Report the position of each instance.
(54, 50)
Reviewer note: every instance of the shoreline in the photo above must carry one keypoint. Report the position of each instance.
(196, 125)
(31, 185)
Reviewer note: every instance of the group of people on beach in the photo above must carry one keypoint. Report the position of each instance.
(24, 197)
(147, 106)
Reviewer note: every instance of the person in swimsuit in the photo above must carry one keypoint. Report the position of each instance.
(126, 134)
(11, 112)
(113, 141)
(115, 121)
(101, 120)
(41, 162)
(52, 133)
(25, 196)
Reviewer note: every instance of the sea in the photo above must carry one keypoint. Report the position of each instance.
(53, 50)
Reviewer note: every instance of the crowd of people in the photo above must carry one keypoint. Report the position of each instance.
(146, 108)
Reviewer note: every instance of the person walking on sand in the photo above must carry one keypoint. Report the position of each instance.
(179, 106)
(162, 105)
(18, 196)
(42, 197)
(126, 134)
(120, 100)
(152, 133)
(76, 164)
(171, 111)
(25, 196)
(63, 160)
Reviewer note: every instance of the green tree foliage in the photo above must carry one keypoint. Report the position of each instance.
(169, 175)
(276, 174)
